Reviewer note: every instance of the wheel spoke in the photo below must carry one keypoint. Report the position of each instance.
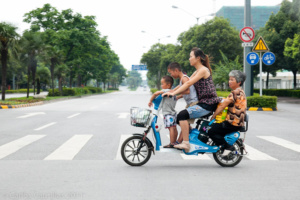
(142, 155)
(128, 151)
(133, 143)
(133, 158)
(129, 155)
(130, 146)
(138, 157)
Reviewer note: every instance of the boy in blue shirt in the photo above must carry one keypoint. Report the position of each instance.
(168, 109)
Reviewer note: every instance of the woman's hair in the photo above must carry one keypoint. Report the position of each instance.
(168, 80)
(203, 58)
(239, 76)
(174, 65)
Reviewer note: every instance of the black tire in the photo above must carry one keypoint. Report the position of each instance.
(129, 154)
(231, 159)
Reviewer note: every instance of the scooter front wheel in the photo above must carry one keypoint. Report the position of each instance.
(130, 153)
(233, 158)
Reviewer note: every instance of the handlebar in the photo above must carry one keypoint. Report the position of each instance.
(211, 122)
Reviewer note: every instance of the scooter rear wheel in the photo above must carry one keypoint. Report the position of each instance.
(130, 154)
(231, 159)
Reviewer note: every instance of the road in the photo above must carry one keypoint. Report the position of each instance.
(70, 150)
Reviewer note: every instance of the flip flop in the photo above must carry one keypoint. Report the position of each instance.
(169, 146)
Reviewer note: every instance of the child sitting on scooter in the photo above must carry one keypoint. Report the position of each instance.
(168, 109)
(237, 106)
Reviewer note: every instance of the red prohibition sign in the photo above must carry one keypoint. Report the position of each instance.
(247, 34)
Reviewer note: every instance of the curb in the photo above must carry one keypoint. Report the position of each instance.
(261, 109)
(21, 105)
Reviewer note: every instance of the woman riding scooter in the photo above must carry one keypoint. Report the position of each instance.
(208, 100)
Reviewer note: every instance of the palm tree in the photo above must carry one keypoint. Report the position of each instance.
(32, 44)
(8, 40)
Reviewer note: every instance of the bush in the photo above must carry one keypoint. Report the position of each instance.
(262, 101)
(68, 92)
(20, 91)
(153, 90)
(112, 88)
(280, 92)
(56, 93)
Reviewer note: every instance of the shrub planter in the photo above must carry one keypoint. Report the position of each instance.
(262, 103)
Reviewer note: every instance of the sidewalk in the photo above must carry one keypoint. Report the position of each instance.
(17, 95)
(291, 100)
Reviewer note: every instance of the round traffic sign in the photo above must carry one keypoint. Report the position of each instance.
(252, 58)
(268, 58)
(247, 34)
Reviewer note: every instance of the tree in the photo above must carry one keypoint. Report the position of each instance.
(212, 37)
(292, 50)
(32, 45)
(42, 76)
(8, 40)
(222, 69)
(282, 26)
(134, 79)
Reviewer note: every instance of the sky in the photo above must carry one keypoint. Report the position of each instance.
(123, 21)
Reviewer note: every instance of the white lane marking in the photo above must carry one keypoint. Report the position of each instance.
(45, 126)
(122, 139)
(16, 145)
(70, 148)
(31, 114)
(281, 142)
(73, 115)
(254, 154)
(123, 115)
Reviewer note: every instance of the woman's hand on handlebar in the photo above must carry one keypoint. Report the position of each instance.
(169, 94)
(150, 104)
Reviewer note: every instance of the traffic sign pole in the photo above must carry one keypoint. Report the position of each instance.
(248, 86)
(260, 76)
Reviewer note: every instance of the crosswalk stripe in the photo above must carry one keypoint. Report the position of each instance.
(254, 154)
(281, 142)
(70, 148)
(123, 115)
(18, 144)
(122, 139)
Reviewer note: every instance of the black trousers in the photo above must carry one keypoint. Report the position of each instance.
(219, 130)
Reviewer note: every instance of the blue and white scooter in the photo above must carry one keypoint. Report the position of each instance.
(136, 150)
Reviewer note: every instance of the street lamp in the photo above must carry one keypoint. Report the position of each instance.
(168, 36)
(197, 18)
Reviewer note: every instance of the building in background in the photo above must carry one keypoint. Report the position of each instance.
(259, 14)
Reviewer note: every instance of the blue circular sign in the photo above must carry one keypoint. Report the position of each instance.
(268, 58)
(252, 58)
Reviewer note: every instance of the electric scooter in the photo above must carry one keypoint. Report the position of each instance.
(137, 149)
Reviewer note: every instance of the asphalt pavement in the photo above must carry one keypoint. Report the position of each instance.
(70, 150)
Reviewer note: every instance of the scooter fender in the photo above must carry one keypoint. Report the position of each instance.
(231, 138)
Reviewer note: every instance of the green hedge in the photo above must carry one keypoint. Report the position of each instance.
(262, 101)
(280, 92)
(75, 91)
(112, 88)
(20, 91)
